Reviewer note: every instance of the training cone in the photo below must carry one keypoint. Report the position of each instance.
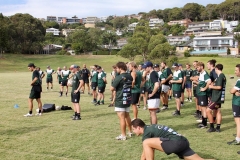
(16, 106)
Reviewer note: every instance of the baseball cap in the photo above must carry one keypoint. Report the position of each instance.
(31, 65)
(155, 66)
(179, 64)
(147, 64)
(175, 65)
(99, 67)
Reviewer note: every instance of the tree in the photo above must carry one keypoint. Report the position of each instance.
(228, 51)
(110, 39)
(3, 34)
(161, 51)
(95, 35)
(237, 38)
(175, 14)
(223, 9)
(192, 11)
(155, 40)
(81, 41)
(128, 51)
(132, 20)
(26, 34)
(50, 24)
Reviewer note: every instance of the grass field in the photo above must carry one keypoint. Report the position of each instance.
(55, 136)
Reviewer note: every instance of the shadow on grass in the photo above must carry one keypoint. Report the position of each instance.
(203, 155)
(19, 131)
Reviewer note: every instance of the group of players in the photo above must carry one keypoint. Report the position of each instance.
(154, 83)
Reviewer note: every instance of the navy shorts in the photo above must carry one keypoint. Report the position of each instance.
(188, 85)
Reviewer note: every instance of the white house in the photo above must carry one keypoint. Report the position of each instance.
(154, 22)
(66, 32)
(118, 32)
(175, 40)
(213, 45)
(132, 26)
(220, 24)
(197, 27)
(54, 31)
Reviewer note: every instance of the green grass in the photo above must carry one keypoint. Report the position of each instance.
(55, 136)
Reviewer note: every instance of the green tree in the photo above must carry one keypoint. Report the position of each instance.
(50, 24)
(3, 34)
(161, 51)
(228, 51)
(95, 35)
(27, 33)
(132, 20)
(237, 38)
(128, 51)
(110, 39)
(192, 11)
(155, 40)
(175, 14)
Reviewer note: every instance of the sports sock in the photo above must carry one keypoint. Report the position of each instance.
(61, 93)
(47, 87)
(75, 113)
(66, 93)
(30, 112)
(238, 139)
(78, 115)
(39, 111)
(51, 87)
(181, 103)
(218, 126)
(211, 125)
(205, 121)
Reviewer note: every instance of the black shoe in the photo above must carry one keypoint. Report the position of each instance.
(97, 104)
(202, 126)
(76, 118)
(211, 130)
(73, 116)
(238, 152)
(158, 110)
(110, 105)
(218, 130)
(176, 113)
(102, 103)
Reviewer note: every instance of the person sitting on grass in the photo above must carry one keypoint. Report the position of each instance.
(164, 139)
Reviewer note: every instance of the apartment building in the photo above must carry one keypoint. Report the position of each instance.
(183, 22)
(71, 20)
(132, 26)
(214, 45)
(197, 27)
(51, 18)
(60, 19)
(155, 22)
(54, 31)
(67, 32)
(176, 40)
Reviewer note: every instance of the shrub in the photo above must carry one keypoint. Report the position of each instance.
(62, 52)
(228, 51)
(205, 55)
(187, 54)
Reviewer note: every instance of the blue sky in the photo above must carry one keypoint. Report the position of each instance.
(85, 8)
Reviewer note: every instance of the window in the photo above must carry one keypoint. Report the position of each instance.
(202, 42)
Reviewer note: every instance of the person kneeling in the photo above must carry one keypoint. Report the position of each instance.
(164, 139)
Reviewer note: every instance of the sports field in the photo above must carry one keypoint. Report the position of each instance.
(55, 135)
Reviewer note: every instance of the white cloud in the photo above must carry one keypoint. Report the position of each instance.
(84, 8)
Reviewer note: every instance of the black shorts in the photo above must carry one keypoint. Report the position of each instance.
(94, 86)
(34, 95)
(135, 98)
(75, 97)
(170, 86)
(194, 93)
(236, 111)
(143, 90)
(60, 82)
(101, 89)
(64, 82)
(179, 147)
(49, 80)
(214, 105)
(202, 101)
(176, 94)
(85, 80)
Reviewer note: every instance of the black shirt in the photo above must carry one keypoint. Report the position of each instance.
(85, 73)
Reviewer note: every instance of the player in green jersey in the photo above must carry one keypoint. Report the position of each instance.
(101, 85)
(217, 98)
(35, 91)
(188, 84)
(49, 78)
(77, 83)
(235, 91)
(162, 138)
(65, 74)
(122, 85)
(202, 85)
(136, 87)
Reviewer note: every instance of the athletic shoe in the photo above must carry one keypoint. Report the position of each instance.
(60, 95)
(186, 100)
(94, 102)
(51, 89)
(110, 105)
(38, 114)
(122, 138)
(190, 100)
(102, 103)
(97, 104)
(218, 130)
(28, 115)
(144, 108)
(138, 106)
(238, 152)
(234, 142)
(182, 105)
(202, 126)
(176, 114)
(76, 118)
(130, 134)
(164, 108)
(158, 110)
(211, 130)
